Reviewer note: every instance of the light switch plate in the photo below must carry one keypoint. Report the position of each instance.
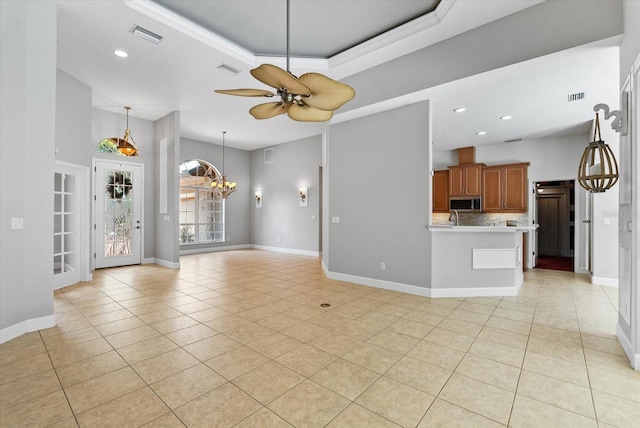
(335, 219)
(17, 223)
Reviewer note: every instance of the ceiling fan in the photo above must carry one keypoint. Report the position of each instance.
(310, 98)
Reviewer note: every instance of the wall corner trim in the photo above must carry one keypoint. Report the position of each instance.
(27, 326)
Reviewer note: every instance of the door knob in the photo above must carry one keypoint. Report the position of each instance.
(586, 221)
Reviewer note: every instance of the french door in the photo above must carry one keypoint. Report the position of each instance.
(70, 225)
(118, 200)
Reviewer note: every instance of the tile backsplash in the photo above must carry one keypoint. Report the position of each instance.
(482, 219)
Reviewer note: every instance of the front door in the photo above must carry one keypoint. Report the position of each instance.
(118, 193)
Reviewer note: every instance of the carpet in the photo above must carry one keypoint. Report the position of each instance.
(555, 263)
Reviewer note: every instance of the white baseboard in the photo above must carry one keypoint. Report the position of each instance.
(148, 261)
(214, 249)
(288, 250)
(634, 358)
(167, 264)
(378, 283)
(609, 282)
(27, 326)
(424, 291)
(582, 271)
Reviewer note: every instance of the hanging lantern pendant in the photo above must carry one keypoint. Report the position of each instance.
(598, 169)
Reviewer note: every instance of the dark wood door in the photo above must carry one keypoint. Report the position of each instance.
(549, 220)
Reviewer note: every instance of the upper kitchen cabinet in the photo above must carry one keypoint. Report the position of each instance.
(465, 180)
(440, 191)
(504, 188)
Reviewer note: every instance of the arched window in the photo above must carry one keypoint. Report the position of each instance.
(201, 209)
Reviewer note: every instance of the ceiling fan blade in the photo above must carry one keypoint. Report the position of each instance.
(268, 110)
(309, 114)
(246, 92)
(279, 79)
(326, 93)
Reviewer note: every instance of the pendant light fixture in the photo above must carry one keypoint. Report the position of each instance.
(223, 187)
(598, 169)
(126, 145)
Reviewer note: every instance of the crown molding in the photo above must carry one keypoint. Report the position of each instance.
(209, 38)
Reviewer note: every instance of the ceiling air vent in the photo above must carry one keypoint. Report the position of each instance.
(228, 69)
(269, 155)
(513, 140)
(148, 35)
(575, 97)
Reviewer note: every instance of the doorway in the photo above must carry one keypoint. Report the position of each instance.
(555, 211)
(118, 200)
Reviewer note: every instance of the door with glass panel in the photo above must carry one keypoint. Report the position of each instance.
(118, 202)
(65, 228)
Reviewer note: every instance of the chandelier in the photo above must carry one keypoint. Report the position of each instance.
(222, 186)
(598, 168)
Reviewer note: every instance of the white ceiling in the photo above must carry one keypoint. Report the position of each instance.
(180, 74)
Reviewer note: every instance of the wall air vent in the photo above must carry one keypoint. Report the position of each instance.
(148, 35)
(576, 97)
(269, 155)
(228, 69)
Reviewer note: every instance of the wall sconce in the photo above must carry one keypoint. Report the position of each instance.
(303, 193)
(258, 198)
(598, 168)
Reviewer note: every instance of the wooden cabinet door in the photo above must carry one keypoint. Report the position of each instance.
(456, 181)
(473, 180)
(492, 189)
(440, 191)
(515, 196)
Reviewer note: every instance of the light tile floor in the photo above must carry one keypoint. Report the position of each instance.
(240, 339)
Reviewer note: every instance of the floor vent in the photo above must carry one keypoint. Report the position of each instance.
(269, 155)
(577, 96)
(228, 69)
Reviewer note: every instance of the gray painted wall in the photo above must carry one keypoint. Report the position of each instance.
(281, 222)
(27, 132)
(380, 189)
(237, 206)
(106, 124)
(166, 226)
(548, 27)
(73, 121)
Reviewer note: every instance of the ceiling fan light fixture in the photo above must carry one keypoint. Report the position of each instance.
(311, 98)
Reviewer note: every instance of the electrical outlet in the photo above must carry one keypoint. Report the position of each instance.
(335, 219)
(382, 266)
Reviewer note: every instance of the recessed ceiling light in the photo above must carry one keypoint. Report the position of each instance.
(505, 117)
(121, 54)
(459, 109)
(480, 132)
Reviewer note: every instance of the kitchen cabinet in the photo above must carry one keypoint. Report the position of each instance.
(440, 191)
(504, 188)
(465, 180)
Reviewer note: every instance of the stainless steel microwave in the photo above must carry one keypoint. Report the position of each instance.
(465, 204)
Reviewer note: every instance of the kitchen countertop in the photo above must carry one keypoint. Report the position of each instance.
(479, 229)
